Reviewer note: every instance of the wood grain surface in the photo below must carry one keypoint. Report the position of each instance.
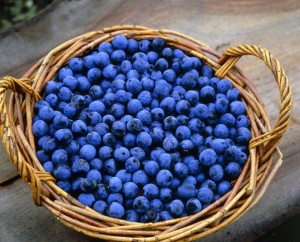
(273, 24)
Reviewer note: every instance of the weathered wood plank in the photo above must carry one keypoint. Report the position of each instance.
(272, 24)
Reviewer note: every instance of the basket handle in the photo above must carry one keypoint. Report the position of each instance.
(10, 134)
(228, 60)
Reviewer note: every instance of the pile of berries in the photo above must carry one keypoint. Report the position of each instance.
(139, 131)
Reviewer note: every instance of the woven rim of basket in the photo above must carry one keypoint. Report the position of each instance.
(17, 137)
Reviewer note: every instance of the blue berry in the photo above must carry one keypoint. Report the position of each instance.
(134, 106)
(108, 119)
(157, 114)
(97, 106)
(228, 119)
(63, 72)
(101, 128)
(221, 105)
(110, 166)
(76, 64)
(40, 128)
(64, 94)
(233, 169)
(132, 164)
(165, 195)
(115, 184)
(52, 99)
(170, 143)
(165, 161)
(63, 136)
(93, 138)
(221, 131)
(224, 187)
(62, 172)
(165, 215)
(134, 125)
(141, 204)
(117, 110)
(169, 75)
(87, 199)
(242, 121)
(94, 176)
(60, 121)
(206, 71)
(130, 189)
(132, 46)
(168, 104)
(83, 84)
(189, 80)
(118, 128)
(237, 108)
(147, 83)
(164, 178)
(140, 65)
(117, 56)
(51, 87)
(48, 166)
(182, 107)
(100, 206)
(205, 195)
(131, 215)
(170, 123)
(42, 156)
(194, 167)
(223, 86)
(80, 166)
(243, 136)
(144, 140)
(134, 86)
(101, 192)
(151, 168)
(208, 157)
(219, 146)
(96, 164)
(233, 94)
(190, 180)
(110, 71)
(119, 42)
(64, 185)
(193, 206)
(176, 207)
(79, 127)
(145, 117)
(196, 125)
(49, 145)
(129, 140)
(197, 139)
(87, 152)
(89, 61)
(102, 59)
(192, 97)
(161, 91)
(186, 191)
(181, 170)
(115, 210)
(140, 178)
(150, 191)
(216, 172)
(144, 45)
(207, 94)
(138, 153)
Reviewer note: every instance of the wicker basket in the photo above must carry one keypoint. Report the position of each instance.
(264, 160)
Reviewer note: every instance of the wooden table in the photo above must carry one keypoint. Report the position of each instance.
(273, 24)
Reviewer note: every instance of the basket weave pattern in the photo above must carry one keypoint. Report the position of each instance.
(264, 160)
